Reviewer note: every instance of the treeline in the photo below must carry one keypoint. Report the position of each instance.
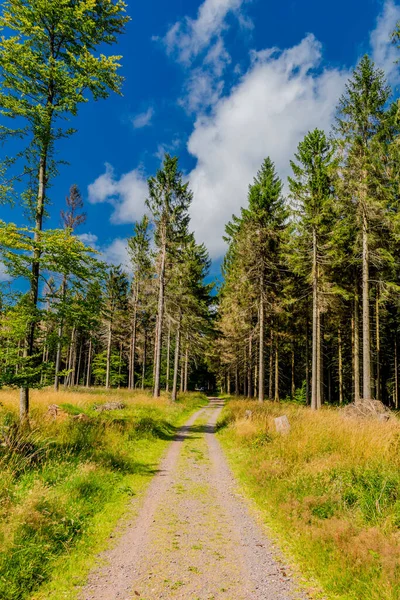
(70, 320)
(309, 307)
(143, 326)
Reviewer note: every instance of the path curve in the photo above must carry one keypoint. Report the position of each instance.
(194, 537)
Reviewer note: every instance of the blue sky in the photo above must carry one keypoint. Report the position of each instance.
(221, 83)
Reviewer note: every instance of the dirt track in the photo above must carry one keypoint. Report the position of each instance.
(194, 537)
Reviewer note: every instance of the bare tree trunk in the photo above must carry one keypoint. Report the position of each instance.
(185, 388)
(89, 362)
(293, 386)
(365, 307)
(321, 337)
(261, 360)
(340, 365)
(245, 371)
(228, 387)
(78, 369)
(120, 365)
(271, 364)
(133, 341)
(168, 357)
(276, 369)
(34, 287)
(70, 356)
(315, 367)
(396, 376)
(108, 365)
(249, 369)
(307, 365)
(160, 318)
(378, 349)
(356, 349)
(144, 358)
(182, 374)
(176, 361)
(59, 341)
(236, 378)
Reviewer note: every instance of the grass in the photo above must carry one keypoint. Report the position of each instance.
(65, 483)
(330, 491)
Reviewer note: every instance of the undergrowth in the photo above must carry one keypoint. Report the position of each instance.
(330, 490)
(65, 482)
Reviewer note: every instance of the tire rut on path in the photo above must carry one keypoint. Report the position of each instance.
(193, 537)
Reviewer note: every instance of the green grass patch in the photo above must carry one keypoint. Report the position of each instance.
(65, 484)
(330, 491)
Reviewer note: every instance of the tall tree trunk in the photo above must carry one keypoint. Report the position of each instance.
(293, 386)
(78, 369)
(144, 358)
(228, 379)
(168, 356)
(59, 341)
(120, 365)
(108, 364)
(236, 378)
(34, 286)
(396, 376)
(340, 365)
(182, 374)
(160, 318)
(315, 367)
(271, 364)
(261, 359)
(320, 365)
(89, 362)
(307, 365)
(133, 341)
(356, 362)
(249, 369)
(365, 310)
(245, 371)
(176, 361)
(276, 398)
(378, 348)
(70, 356)
(185, 388)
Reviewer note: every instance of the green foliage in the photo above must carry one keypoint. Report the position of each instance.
(61, 477)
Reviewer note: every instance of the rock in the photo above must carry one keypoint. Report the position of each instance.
(109, 406)
(367, 409)
(81, 417)
(282, 425)
(53, 410)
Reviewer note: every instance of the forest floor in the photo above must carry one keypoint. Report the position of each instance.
(193, 536)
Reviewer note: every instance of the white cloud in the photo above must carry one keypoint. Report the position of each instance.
(188, 38)
(384, 53)
(4, 276)
(203, 37)
(89, 239)
(143, 119)
(281, 97)
(116, 253)
(127, 194)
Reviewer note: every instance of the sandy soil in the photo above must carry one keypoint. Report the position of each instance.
(194, 537)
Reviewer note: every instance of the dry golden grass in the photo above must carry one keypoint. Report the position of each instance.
(330, 489)
(83, 398)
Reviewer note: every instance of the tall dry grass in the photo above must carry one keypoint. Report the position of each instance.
(331, 490)
(66, 480)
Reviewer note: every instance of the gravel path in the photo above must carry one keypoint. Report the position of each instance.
(194, 537)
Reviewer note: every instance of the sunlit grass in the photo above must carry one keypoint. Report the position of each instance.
(65, 483)
(330, 490)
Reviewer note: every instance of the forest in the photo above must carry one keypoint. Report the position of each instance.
(169, 433)
(308, 304)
